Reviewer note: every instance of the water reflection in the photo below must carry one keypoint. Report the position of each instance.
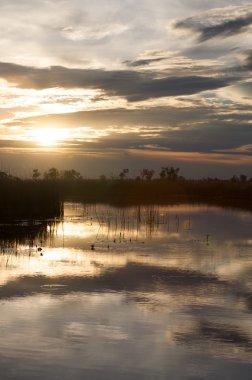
(162, 286)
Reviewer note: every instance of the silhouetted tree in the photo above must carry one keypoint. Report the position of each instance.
(3, 175)
(35, 174)
(52, 174)
(7, 177)
(234, 179)
(102, 177)
(243, 178)
(147, 174)
(169, 172)
(123, 173)
(71, 175)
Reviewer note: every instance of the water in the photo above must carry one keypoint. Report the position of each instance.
(137, 293)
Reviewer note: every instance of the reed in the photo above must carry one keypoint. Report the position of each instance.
(27, 199)
(43, 199)
(126, 192)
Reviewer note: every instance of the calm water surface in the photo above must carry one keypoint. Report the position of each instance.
(165, 293)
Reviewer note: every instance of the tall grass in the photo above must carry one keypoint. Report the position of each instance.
(43, 199)
(28, 199)
(125, 192)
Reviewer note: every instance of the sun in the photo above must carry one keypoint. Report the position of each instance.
(48, 136)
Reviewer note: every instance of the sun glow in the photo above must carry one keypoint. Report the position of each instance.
(49, 136)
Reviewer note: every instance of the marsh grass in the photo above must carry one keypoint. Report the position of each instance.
(43, 199)
(27, 199)
(132, 192)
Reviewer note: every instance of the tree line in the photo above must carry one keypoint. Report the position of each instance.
(44, 193)
(166, 172)
(170, 173)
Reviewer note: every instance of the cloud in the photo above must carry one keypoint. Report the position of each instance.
(219, 22)
(144, 61)
(148, 89)
(45, 32)
(248, 61)
(93, 33)
(133, 85)
(192, 129)
(12, 144)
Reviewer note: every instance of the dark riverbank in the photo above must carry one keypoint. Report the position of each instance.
(28, 199)
(126, 192)
(41, 199)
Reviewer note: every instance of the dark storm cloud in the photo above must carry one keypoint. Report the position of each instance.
(229, 24)
(201, 139)
(143, 62)
(248, 61)
(132, 85)
(153, 116)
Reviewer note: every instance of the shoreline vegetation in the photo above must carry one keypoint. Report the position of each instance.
(42, 197)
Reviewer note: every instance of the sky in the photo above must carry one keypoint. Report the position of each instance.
(109, 84)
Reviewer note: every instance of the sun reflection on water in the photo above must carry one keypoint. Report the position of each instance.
(163, 283)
